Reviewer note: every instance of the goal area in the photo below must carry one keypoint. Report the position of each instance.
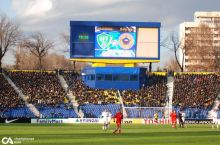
(146, 112)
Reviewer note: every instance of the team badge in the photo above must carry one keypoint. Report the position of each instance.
(104, 40)
(126, 41)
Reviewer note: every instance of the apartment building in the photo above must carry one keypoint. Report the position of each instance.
(201, 42)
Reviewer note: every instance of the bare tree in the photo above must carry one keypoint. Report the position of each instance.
(175, 45)
(23, 56)
(171, 65)
(200, 45)
(66, 40)
(38, 45)
(179, 47)
(9, 35)
(51, 61)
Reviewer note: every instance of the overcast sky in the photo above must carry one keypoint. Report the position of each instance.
(52, 16)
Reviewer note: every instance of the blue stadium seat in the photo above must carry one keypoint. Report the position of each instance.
(47, 112)
(94, 111)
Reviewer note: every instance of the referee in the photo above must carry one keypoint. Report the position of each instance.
(180, 117)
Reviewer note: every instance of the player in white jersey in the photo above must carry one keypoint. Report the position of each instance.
(214, 116)
(105, 117)
(183, 118)
(109, 119)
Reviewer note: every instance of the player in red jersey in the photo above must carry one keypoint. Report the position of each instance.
(173, 118)
(118, 117)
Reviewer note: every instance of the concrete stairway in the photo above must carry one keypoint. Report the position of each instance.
(169, 96)
(70, 96)
(122, 104)
(22, 96)
(215, 106)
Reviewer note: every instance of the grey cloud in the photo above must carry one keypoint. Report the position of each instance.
(169, 12)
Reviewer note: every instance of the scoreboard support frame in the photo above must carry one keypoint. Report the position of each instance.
(104, 62)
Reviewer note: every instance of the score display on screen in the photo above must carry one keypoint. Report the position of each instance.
(115, 41)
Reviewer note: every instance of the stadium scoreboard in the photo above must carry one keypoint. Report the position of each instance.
(98, 40)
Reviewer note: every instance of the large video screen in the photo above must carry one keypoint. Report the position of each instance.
(101, 40)
(115, 41)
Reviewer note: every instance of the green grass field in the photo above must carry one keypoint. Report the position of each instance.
(87, 134)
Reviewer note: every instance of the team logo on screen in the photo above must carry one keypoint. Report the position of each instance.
(104, 40)
(126, 41)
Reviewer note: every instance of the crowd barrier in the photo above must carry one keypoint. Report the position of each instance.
(195, 73)
(125, 121)
(99, 121)
(31, 71)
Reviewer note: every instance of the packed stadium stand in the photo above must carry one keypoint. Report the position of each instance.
(10, 104)
(45, 92)
(87, 95)
(151, 95)
(92, 101)
(40, 87)
(196, 93)
(193, 93)
(8, 97)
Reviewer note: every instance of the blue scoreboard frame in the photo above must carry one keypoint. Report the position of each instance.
(83, 37)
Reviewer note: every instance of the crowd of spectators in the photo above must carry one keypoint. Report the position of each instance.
(87, 95)
(190, 90)
(70, 77)
(44, 88)
(196, 91)
(8, 96)
(40, 88)
(152, 94)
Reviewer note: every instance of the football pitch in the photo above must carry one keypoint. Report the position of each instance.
(92, 134)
